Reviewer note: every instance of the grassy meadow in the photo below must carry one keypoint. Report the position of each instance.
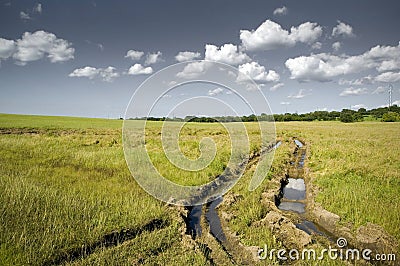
(64, 185)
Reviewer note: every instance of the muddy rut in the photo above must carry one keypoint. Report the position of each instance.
(294, 218)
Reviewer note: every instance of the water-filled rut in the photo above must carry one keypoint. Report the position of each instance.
(294, 194)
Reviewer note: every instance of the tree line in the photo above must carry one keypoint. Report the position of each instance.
(385, 114)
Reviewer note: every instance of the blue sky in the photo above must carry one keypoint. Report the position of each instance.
(86, 58)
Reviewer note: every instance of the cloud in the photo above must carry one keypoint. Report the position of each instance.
(336, 46)
(34, 46)
(353, 91)
(299, 95)
(388, 77)
(389, 65)
(134, 55)
(306, 33)
(227, 53)
(153, 58)
(37, 8)
(281, 11)
(258, 73)
(138, 69)
(316, 46)
(7, 48)
(215, 92)
(193, 70)
(342, 29)
(24, 16)
(325, 66)
(270, 35)
(276, 86)
(98, 45)
(284, 103)
(186, 56)
(358, 82)
(27, 15)
(88, 72)
(358, 106)
(106, 74)
(380, 90)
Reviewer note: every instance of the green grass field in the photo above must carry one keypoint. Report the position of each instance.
(64, 185)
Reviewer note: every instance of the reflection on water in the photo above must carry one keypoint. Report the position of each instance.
(292, 206)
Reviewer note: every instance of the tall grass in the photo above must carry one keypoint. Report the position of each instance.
(65, 185)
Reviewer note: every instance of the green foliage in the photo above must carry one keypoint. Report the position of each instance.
(391, 117)
(346, 117)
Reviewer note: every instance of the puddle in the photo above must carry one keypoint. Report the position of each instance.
(193, 223)
(292, 206)
(309, 228)
(214, 221)
(277, 145)
(295, 189)
(302, 158)
(194, 218)
(298, 143)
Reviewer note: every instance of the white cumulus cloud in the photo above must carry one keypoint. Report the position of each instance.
(325, 66)
(258, 73)
(342, 29)
(106, 74)
(307, 32)
(138, 69)
(388, 77)
(270, 35)
(134, 55)
(281, 11)
(227, 53)
(389, 65)
(193, 70)
(7, 48)
(186, 56)
(34, 46)
(88, 72)
(353, 91)
(153, 58)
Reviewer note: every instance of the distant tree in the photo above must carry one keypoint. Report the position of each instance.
(390, 117)
(362, 111)
(346, 117)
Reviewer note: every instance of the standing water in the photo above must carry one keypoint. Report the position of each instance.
(294, 192)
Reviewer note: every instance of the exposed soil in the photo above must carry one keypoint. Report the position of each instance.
(112, 239)
(317, 224)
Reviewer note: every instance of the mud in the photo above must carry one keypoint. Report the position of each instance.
(112, 239)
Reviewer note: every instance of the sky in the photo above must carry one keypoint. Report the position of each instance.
(87, 58)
